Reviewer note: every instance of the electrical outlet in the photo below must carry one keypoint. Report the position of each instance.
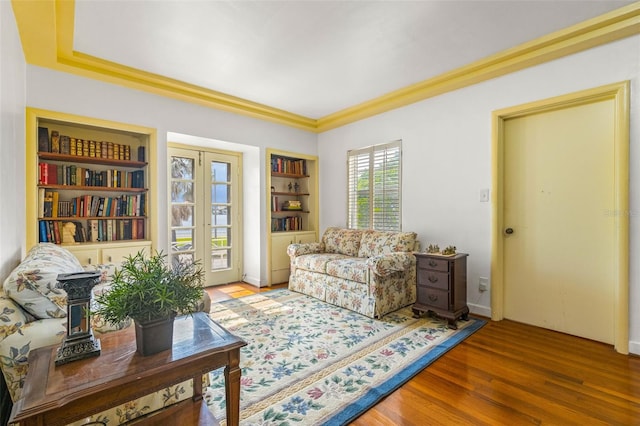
(483, 284)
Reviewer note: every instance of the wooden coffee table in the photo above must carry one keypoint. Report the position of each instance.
(58, 395)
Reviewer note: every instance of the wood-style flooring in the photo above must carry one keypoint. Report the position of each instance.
(509, 373)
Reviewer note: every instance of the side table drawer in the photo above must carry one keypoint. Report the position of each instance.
(435, 264)
(433, 279)
(434, 298)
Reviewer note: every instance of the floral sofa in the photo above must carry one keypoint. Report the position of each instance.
(33, 315)
(370, 272)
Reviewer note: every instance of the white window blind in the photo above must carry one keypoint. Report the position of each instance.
(375, 187)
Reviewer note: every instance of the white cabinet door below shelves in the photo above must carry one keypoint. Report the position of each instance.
(279, 256)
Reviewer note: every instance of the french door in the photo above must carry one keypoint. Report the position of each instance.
(204, 211)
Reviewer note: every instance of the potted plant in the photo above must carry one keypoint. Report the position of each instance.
(151, 293)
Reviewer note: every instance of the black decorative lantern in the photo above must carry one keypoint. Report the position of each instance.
(79, 342)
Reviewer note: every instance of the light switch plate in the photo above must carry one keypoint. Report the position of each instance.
(484, 195)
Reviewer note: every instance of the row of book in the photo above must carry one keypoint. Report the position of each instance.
(50, 205)
(288, 205)
(63, 144)
(289, 223)
(56, 174)
(290, 166)
(58, 232)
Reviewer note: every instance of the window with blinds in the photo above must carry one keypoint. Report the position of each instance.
(375, 187)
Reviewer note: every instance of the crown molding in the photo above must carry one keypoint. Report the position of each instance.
(46, 32)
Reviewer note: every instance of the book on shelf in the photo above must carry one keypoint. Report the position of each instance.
(44, 143)
(54, 203)
(42, 228)
(109, 230)
(292, 205)
(289, 166)
(48, 204)
(56, 231)
(289, 223)
(41, 194)
(65, 145)
(55, 141)
(80, 236)
(93, 230)
(140, 231)
(55, 174)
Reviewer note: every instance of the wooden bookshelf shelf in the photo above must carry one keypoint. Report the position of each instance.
(52, 156)
(93, 188)
(73, 218)
(290, 194)
(289, 175)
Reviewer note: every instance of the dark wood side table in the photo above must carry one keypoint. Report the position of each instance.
(442, 286)
(58, 395)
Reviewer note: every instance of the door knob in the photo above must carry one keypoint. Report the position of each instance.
(508, 231)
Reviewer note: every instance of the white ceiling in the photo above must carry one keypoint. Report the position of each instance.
(314, 58)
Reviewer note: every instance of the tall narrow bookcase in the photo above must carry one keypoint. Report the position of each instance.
(292, 191)
(88, 185)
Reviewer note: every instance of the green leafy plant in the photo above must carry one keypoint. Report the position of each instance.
(433, 248)
(147, 289)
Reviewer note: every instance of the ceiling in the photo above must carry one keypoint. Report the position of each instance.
(306, 59)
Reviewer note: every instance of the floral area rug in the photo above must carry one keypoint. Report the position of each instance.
(308, 362)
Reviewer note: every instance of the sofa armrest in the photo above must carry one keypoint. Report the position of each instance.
(388, 263)
(12, 317)
(294, 250)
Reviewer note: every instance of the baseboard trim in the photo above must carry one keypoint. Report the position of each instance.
(634, 348)
(481, 310)
(252, 280)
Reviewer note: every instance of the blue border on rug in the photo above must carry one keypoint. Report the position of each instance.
(373, 396)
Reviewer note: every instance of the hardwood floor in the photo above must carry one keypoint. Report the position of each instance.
(509, 373)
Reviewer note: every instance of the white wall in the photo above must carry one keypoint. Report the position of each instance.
(63, 92)
(12, 134)
(447, 157)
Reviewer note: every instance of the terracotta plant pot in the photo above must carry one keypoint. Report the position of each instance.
(154, 336)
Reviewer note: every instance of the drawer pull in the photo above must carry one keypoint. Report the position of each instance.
(433, 297)
(433, 263)
(433, 279)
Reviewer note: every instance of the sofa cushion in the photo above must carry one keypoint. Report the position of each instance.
(342, 241)
(32, 284)
(375, 243)
(107, 270)
(350, 268)
(316, 262)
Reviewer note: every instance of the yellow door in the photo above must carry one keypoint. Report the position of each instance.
(559, 247)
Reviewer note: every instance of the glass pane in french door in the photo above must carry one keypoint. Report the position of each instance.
(182, 207)
(222, 252)
(220, 215)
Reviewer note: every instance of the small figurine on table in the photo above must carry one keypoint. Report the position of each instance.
(290, 186)
(296, 187)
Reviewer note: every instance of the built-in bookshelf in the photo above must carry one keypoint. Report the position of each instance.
(88, 183)
(292, 185)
